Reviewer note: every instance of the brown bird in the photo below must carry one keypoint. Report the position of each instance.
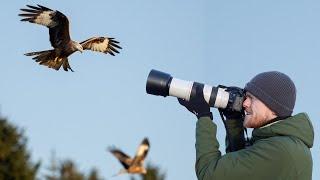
(132, 165)
(60, 40)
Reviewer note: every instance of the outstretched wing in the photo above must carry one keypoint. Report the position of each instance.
(56, 21)
(142, 152)
(124, 159)
(102, 44)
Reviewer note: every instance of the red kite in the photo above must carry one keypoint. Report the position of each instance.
(58, 25)
(132, 165)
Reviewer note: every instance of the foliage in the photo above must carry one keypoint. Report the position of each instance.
(67, 170)
(15, 161)
(14, 158)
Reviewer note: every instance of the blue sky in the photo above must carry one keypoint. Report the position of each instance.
(104, 101)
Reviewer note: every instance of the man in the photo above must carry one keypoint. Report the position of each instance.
(280, 143)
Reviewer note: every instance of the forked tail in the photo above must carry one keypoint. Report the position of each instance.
(51, 59)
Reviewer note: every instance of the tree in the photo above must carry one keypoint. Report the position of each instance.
(14, 158)
(94, 175)
(53, 168)
(67, 170)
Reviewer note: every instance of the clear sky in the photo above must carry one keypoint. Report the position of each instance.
(104, 101)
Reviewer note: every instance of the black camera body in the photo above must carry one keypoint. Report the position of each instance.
(163, 84)
(236, 98)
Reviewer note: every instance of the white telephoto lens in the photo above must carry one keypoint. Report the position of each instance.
(222, 98)
(207, 92)
(180, 88)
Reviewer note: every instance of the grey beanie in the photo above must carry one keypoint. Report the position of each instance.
(276, 90)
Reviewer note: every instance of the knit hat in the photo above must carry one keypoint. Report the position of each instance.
(276, 90)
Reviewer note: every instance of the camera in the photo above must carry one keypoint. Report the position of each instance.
(163, 84)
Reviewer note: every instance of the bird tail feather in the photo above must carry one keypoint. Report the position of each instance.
(50, 59)
(114, 175)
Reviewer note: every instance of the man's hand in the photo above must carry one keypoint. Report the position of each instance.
(197, 104)
(230, 114)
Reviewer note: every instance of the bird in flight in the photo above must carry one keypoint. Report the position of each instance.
(60, 39)
(132, 165)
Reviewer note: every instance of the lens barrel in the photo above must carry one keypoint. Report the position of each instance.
(158, 83)
(163, 84)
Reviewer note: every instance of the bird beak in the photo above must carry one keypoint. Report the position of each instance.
(80, 48)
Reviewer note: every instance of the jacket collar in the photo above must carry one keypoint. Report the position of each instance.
(298, 126)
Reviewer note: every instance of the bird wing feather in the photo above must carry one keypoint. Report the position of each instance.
(101, 44)
(124, 159)
(142, 152)
(56, 21)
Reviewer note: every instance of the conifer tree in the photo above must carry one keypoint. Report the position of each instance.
(67, 170)
(15, 160)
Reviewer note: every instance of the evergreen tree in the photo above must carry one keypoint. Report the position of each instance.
(67, 170)
(153, 173)
(94, 175)
(14, 158)
(53, 168)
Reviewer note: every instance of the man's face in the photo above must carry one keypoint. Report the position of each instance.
(257, 113)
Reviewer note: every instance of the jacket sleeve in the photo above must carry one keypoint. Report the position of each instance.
(254, 162)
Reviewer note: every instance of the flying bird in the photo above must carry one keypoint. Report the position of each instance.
(63, 45)
(132, 165)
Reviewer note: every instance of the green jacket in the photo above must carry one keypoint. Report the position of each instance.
(280, 150)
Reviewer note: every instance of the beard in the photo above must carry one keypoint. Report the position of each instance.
(253, 120)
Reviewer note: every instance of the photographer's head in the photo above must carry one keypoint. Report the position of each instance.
(269, 95)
